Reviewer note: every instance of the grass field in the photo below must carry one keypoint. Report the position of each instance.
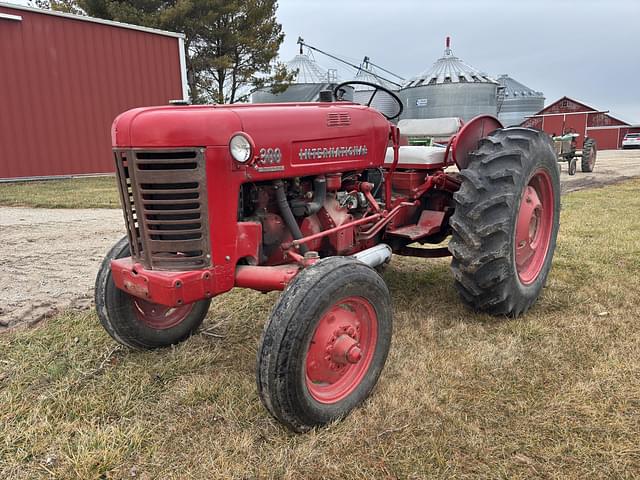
(554, 394)
(81, 192)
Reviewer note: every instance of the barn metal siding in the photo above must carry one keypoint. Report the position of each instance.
(62, 83)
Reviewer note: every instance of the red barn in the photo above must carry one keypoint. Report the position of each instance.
(569, 115)
(64, 78)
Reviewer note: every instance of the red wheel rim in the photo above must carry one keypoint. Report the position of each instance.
(341, 349)
(159, 316)
(534, 226)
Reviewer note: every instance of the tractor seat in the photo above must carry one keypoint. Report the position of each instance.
(418, 157)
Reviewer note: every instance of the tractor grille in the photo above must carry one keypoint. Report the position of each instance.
(164, 198)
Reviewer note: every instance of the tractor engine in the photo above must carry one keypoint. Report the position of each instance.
(300, 207)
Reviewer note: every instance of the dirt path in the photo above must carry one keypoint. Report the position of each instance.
(49, 258)
(611, 166)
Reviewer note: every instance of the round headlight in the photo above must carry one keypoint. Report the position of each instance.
(240, 148)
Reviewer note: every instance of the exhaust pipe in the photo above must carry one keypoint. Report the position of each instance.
(374, 256)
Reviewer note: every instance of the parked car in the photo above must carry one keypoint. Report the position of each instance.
(631, 140)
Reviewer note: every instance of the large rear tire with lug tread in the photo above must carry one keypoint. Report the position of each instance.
(589, 152)
(506, 222)
(325, 344)
(137, 323)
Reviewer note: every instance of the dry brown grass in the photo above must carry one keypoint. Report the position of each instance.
(554, 394)
(80, 192)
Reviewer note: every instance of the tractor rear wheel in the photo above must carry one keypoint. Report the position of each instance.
(589, 152)
(325, 343)
(137, 323)
(506, 222)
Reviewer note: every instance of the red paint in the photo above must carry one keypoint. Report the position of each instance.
(64, 81)
(265, 278)
(160, 316)
(341, 350)
(607, 138)
(466, 140)
(534, 226)
(301, 133)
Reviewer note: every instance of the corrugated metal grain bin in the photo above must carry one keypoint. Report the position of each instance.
(64, 78)
(450, 88)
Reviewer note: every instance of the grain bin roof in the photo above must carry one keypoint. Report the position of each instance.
(449, 69)
(308, 70)
(364, 75)
(514, 89)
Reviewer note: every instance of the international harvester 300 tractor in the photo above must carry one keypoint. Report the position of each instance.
(311, 199)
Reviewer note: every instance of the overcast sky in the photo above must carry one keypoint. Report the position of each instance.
(586, 49)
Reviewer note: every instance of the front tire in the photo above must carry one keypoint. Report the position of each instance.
(506, 222)
(137, 323)
(325, 343)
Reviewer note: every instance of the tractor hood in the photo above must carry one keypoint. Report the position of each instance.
(180, 126)
(270, 125)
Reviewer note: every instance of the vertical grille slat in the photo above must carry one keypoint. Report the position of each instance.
(163, 194)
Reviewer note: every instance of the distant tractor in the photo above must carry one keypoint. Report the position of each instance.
(311, 199)
(565, 147)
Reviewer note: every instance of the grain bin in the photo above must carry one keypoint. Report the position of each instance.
(309, 81)
(519, 101)
(450, 88)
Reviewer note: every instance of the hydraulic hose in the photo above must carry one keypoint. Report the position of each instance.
(287, 214)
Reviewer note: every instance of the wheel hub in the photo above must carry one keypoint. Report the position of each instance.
(159, 316)
(533, 227)
(341, 349)
(346, 350)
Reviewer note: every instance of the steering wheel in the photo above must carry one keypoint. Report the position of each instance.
(340, 90)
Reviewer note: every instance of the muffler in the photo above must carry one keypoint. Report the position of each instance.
(374, 256)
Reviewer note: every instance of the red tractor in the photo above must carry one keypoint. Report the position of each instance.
(311, 199)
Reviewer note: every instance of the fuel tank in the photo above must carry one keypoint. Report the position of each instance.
(304, 138)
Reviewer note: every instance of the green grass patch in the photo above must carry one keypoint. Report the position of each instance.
(81, 192)
(553, 394)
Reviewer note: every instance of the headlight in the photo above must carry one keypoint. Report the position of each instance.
(240, 148)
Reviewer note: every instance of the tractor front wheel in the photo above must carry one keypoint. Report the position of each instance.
(325, 343)
(137, 323)
(506, 222)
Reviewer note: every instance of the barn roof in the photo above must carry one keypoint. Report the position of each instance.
(83, 18)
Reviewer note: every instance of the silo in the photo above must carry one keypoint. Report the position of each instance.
(310, 80)
(450, 88)
(362, 93)
(519, 101)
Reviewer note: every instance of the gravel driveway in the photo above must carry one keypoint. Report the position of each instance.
(49, 258)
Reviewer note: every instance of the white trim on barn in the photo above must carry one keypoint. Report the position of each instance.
(6, 16)
(607, 127)
(90, 19)
(567, 113)
(183, 70)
